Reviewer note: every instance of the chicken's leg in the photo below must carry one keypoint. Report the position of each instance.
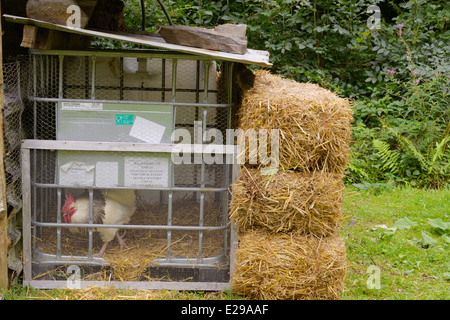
(102, 250)
(121, 241)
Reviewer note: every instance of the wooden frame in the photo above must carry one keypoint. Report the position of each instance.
(3, 201)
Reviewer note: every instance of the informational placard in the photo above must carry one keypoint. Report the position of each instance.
(107, 174)
(114, 122)
(147, 130)
(81, 106)
(124, 119)
(146, 172)
(76, 174)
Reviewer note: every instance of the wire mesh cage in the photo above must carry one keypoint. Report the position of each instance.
(104, 129)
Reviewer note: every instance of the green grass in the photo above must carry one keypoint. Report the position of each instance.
(414, 263)
(410, 266)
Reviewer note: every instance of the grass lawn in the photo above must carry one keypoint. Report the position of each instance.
(413, 259)
(412, 255)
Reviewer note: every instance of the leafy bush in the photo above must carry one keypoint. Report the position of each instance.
(408, 117)
(328, 42)
(397, 73)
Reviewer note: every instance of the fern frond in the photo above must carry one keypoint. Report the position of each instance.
(396, 7)
(388, 157)
(445, 169)
(438, 155)
(407, 145)
(439, 150)
(358, 170)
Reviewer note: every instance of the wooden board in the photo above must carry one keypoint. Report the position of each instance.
(45, 39)
(3, 201)
(254, 57)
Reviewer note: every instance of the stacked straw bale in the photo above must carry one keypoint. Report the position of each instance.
(289, 246)
(307, 203)
(289, 266)
(314, 123)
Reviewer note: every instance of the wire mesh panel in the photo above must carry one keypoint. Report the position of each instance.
(185, 83)
(16, 85)
(119, 116)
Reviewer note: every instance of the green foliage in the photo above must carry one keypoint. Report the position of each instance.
(409, 129)
(407, 111)
(404, 223)
(428, 165)
(398, 73)
(439, 225)
(439, 228)
(328, 42)
(431, 170)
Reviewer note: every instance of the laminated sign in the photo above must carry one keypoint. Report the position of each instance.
(109, 170)
(77, 174)
(91, 121)
(147, 130)
(124, 119)
(147, 172)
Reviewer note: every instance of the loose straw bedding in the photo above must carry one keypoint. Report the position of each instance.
(143, 246)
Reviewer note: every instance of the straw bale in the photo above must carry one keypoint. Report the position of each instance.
(287, 201)
(314, 123)
(289, 266)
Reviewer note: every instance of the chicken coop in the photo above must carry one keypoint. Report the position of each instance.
(144, 128)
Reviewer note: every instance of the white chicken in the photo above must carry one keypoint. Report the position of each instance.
(109, 207)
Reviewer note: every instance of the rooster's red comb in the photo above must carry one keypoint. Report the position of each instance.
(70, 198)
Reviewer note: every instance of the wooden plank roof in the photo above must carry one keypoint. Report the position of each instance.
(254, 57)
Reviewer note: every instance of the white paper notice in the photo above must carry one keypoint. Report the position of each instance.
(81, 106)
(146, 172)
(147, 130)
(76, 174)
(107, 174)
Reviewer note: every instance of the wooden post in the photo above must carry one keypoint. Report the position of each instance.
(3, 202)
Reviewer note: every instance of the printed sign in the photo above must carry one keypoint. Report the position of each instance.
(81, 106)
(124, 119)
(76, 174)
(147, 172)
